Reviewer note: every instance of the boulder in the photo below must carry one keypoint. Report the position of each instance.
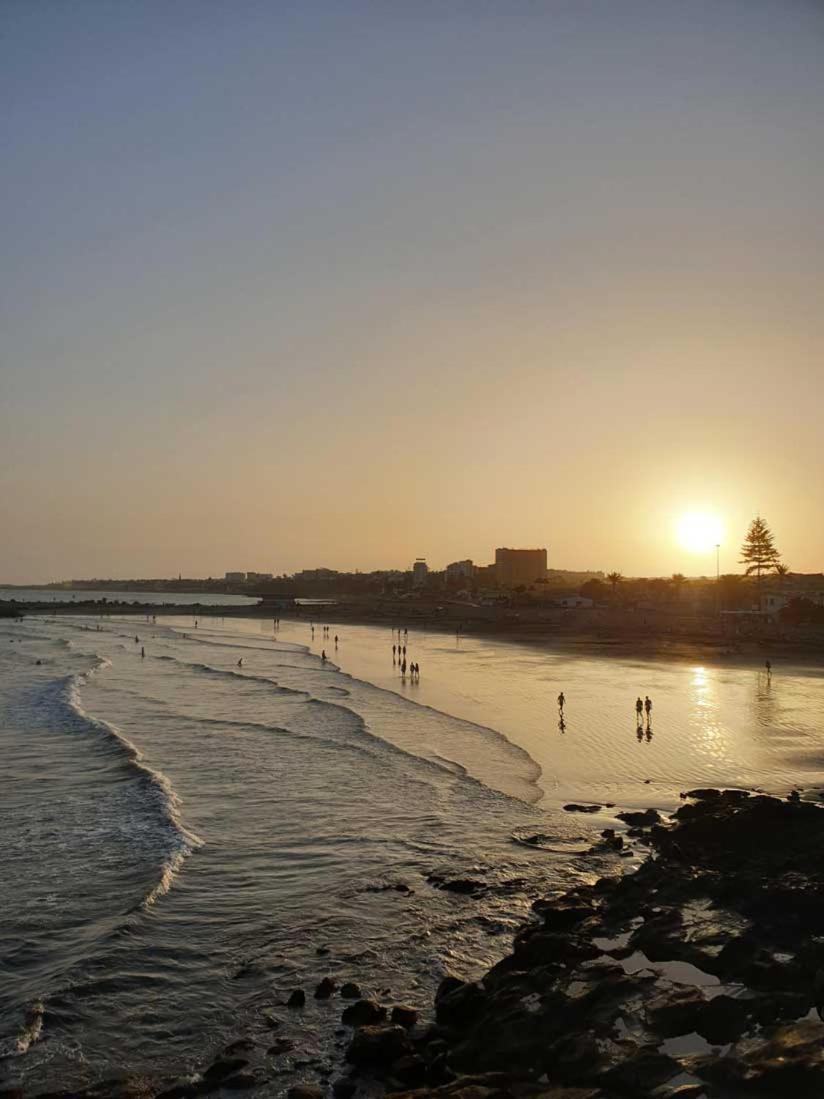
(675, 1011)
(723, 1019)
(573, 807)
(363, 1013)
(641, 819)
(325, 989)
(350, 991)
(459, 1002)
(404, 1016)
(378, 1046)
(297, 998)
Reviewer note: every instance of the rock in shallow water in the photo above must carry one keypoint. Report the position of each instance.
(363, 1013)
(325, 989)
(378, 1045)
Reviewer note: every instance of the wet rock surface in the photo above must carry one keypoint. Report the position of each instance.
(696, 975)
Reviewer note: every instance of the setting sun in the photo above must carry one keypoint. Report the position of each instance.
(699, 532)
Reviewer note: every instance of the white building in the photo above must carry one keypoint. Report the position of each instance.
(235, 577)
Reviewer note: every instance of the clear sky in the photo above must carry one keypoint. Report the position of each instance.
(296, 284)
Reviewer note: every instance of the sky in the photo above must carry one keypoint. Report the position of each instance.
(301, 284)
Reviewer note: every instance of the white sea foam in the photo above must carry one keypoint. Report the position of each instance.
(160, 791)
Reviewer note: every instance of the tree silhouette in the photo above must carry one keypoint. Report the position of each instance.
(615, 579)
(759, 553)
(678, 580)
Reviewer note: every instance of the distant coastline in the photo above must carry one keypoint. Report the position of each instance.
(575, 634)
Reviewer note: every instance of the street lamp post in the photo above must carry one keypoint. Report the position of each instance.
(717, 578)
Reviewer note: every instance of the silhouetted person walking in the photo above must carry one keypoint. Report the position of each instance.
(639, 706)
(648, 706)
(561, 701)
(768, 666)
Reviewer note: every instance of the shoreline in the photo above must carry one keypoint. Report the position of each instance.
(624, 644)
(698, 965)
(699, 974)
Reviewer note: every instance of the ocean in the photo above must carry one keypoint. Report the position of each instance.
(190, 835)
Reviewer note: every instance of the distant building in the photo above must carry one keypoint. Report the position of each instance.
(460, 570)
(235, 577)
(772, 602)
(515, 567)
(255, 577)
(317, 574)
(420, 571)
(575, 601)
(486, 576)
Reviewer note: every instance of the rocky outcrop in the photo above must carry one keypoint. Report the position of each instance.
(617, 990)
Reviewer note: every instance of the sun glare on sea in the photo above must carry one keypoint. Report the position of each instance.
(699, 532)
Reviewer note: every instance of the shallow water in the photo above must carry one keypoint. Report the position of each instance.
(181, 835)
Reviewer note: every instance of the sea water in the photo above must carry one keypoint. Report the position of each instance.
(188, 836)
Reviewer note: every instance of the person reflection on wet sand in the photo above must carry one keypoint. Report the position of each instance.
(561, 724)
(639, 732)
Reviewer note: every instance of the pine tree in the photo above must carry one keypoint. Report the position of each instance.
(758, 552)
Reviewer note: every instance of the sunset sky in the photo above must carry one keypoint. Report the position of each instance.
(297, 284)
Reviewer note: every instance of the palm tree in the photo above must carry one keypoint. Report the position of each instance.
(615, 579)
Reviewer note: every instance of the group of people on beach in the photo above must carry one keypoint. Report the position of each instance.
(642, 706)
(399, 655)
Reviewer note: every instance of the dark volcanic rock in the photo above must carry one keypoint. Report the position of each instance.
(467, 886)
(642, 1072)
(675, 1011)
(404, 1016)
(735, 888)
(641, 819)
(788, 1062)
(325, 989)
(458, 1001)
(350, 991)
(378, 1045)
(297, 998)
(573, 807)
(363, 1013)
